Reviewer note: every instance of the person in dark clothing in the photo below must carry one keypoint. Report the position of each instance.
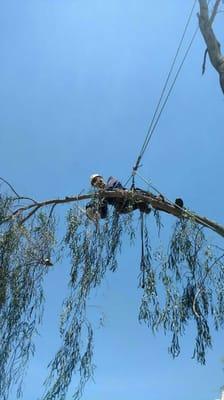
(97, 181)
(96, 211)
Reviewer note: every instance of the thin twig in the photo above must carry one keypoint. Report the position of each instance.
(11, 187)
(30, 214)
(51, 211)
(25, 198)
(204, 61)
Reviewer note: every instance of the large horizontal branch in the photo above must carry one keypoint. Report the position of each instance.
(156, 202)
(213, 45)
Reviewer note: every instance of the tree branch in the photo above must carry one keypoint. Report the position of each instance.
(213, 46)
(30, 214)
(214, 11)
(156, 202)
(10, 186)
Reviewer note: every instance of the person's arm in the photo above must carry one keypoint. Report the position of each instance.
(113, 183)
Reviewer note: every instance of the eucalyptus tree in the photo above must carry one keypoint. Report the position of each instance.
(180, 285)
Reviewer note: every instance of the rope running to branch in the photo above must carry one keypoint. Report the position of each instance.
(168, 95)
(155, 118)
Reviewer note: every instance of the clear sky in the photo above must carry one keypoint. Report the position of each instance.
(79, 81)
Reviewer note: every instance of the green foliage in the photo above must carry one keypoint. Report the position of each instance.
(92, 249)
(182, 288)
(21, 293)
(185, 286)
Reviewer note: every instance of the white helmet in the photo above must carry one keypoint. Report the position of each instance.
(93, 176)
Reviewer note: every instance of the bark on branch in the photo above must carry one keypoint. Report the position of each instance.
(213, 45)
(156, 202)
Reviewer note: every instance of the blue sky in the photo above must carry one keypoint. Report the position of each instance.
(79, 82)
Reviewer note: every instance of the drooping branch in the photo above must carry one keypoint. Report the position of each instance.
(213, 45)
(202, 285)
(23, 250)
(24, 213)
(29, 240)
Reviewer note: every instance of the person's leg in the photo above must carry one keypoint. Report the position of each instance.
(103, 209)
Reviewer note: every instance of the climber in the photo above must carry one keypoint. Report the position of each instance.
(96, 209)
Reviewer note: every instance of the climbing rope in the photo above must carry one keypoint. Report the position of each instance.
(156, 118)
(142, 264)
